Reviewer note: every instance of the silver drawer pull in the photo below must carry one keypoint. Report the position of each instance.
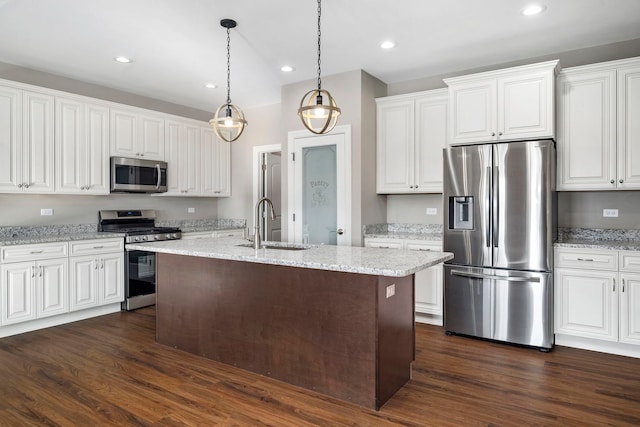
(425, 250)
(586, 259)
(37, 252)
(98, 247)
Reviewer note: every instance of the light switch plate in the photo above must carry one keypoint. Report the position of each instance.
(391, 290)
(191, 210)
(432, 211)
(610, 213)
(46, 212)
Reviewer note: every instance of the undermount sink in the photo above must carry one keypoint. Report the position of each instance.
(279, 245)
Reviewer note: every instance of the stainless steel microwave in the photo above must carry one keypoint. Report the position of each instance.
(138, 175)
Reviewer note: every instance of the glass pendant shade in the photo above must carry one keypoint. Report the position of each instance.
(228, 122)
(318, 111)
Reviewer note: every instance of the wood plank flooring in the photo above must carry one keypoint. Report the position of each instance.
(110, 371)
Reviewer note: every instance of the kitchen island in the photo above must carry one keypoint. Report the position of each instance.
(337, 320)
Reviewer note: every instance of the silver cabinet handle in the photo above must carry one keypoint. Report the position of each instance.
(623, 285)
(340, 231)
(613, 181)
(499, 133)
(95, 265)
(614, 285)
(98, 247)
(586, 259)
(41, 271)
(33, 271)
(102, 265)
(493, 134)
(36, 252)
(424, 249)
(19, 185)
(621, 181)
(142, 154)
(26, 186)
(411, 186)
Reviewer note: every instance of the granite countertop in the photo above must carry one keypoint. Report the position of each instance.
(348, 259)
(598, 238)
(405, 235)
(50, 238)
(201, 228)
(404, 231)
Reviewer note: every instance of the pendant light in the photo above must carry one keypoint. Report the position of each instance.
(318, 109)
(228, 120)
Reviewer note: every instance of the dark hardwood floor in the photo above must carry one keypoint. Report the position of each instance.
(109, 371)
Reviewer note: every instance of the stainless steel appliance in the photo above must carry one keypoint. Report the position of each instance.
(138, 175)
(500, 223)
(140, 271)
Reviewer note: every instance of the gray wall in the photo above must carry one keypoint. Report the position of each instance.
(584, 209)
(24, 209)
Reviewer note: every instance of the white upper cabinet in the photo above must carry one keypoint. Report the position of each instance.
(182, 153)
(82, 147)
(26, 141)
(215, 163)
(411, 133)
(137, 134)
(505, 105)
(598, 141)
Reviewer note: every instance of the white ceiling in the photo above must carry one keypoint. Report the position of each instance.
(178, 45)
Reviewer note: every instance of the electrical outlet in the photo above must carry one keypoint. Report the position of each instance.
(191, 210)
(611, 213)
(46, 212)
(391, 290)
(432, 211)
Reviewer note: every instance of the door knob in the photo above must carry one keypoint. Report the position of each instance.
(340, 231)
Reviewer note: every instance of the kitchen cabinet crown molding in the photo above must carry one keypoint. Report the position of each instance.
(506, 72)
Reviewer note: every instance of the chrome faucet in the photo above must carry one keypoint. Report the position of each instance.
(256, 237)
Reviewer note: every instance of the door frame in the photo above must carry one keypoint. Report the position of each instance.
(345, 131)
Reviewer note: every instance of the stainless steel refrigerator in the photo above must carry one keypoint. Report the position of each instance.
(500, 223)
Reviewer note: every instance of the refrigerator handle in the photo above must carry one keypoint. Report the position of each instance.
(487, 208)
(496, 205)
(494, 277)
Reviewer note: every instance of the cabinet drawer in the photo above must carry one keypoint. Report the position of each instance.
(587, 258)
(198, 235)
(629, 261)
(33, 252)
(422, 245)
(230, 233)
(383, 243)
(96, 246)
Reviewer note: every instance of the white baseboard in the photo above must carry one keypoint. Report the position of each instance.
(47, 322)
(429, 319)
(598, 345)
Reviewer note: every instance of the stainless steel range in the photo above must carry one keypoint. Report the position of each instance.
(140, 273)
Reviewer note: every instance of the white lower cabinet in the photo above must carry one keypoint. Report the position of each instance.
(33, 290)
(97, 276)
(233, 232)
(47, 284)
(428, 282)
(597, 297)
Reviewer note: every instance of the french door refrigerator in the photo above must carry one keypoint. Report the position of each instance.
(500, 223)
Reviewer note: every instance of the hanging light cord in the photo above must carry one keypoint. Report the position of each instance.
(228, 66)
(319, 13)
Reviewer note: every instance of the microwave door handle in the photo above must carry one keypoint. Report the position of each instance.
(159, 172)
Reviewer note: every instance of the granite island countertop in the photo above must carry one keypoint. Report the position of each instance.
(349, 259)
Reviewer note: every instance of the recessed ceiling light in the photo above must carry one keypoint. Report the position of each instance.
(388, 44)
(210, 86)
(533, 9)
(287, 68)
(123, 59)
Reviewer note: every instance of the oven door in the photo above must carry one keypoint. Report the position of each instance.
(141, 274)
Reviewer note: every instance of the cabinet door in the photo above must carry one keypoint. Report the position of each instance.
(151, 138)
(526, 106)
(428, 282)
(124, 134)
(472, 111)
(431, 139)
(630, 308)
(38, 140)
(587, 303)
(70, 154)
(10, 140)
(172, 151)
(83, 282)
(395, 147)
(191, 160)
(52, 297)
(18, 281)
(97, 145)
(215, 163)
(629, 127)
(586, 144)
(112, 278)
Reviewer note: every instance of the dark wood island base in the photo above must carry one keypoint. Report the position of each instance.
(332, 332)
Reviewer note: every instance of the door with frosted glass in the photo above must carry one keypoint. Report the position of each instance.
(320, 190)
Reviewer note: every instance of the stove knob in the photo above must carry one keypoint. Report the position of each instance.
(136, 239)
(156, 237)
(174, 236)
(145, 238)
(167, 236)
